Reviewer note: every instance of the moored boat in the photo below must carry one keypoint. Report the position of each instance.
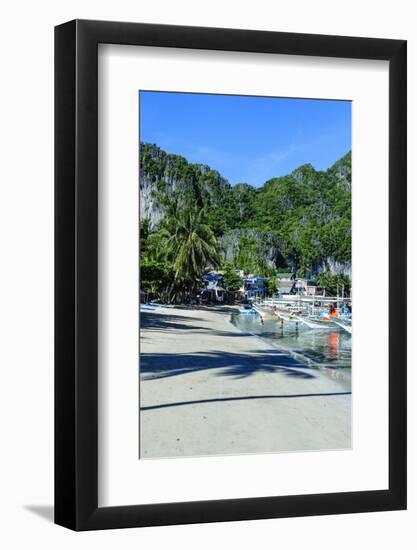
(247, 310)
(345, 324)
(314, 321)
(264, 312)
(286, 315)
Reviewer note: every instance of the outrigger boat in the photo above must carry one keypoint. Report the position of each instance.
(265, 313)
(322, 313)
(286, 315)
(315, 321)
(344, 324)
(149, 307)
(247, 310)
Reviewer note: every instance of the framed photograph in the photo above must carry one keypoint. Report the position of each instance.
(230, 244)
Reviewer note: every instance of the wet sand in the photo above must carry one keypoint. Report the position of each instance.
(206, 388)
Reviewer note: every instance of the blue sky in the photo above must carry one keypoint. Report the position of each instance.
(247, 139)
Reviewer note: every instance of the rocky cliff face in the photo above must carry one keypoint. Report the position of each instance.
(342, 171)
(149, 206)
(334, 267)
(162, 174)
(237, 212)
(232, 244)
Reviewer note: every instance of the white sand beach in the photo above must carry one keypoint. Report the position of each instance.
(206, 388)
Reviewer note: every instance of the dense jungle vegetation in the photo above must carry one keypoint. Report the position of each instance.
(299, 222)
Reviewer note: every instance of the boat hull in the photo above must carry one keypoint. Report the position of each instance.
(264, 312)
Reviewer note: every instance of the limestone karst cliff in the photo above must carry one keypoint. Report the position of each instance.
(297, 222)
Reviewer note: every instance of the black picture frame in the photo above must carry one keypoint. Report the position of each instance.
(76, 272)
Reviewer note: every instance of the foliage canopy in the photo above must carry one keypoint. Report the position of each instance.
(298, 222)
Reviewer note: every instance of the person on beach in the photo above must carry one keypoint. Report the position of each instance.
(333, 311)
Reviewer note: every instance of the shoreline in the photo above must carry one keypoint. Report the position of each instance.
(208, 388)
(342, 374)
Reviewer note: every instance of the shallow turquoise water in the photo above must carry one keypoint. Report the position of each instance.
(329, 348)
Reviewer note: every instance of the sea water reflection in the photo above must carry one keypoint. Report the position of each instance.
(327, 348)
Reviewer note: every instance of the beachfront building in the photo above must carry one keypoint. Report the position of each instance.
(212, 290)
(254, 287)
(304, 287)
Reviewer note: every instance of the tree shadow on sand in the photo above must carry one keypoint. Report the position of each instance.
(235, 365)
(241, 398)
(161, 322)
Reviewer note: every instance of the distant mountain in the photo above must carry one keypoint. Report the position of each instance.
(301, 221)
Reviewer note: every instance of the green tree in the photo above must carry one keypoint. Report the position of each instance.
(154, 276)
(271, 284)
(190, 246)
(334, 283)
(299, 220)
(231, 280)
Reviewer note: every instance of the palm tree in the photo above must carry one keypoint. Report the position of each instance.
(190, 246)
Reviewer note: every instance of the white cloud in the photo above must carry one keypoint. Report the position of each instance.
(261, 166)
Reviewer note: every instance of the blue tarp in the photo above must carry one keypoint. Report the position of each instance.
(212, 277)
